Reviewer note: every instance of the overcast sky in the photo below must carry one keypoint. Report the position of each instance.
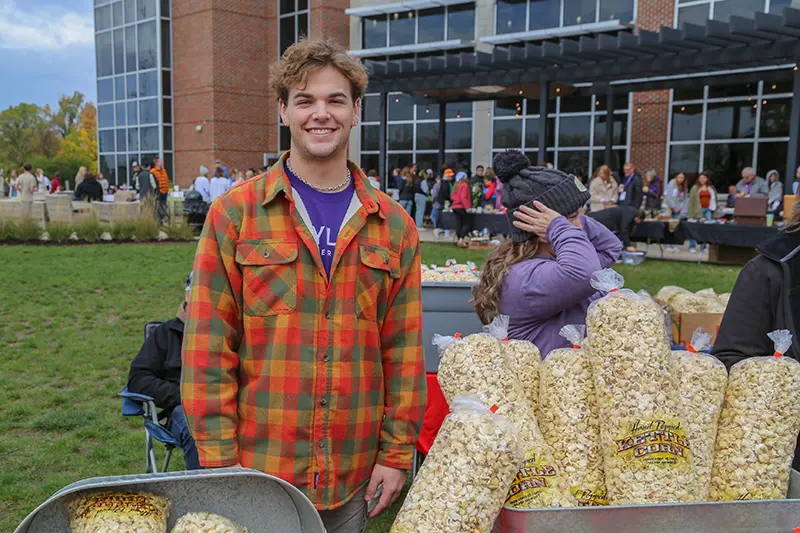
(46, 49)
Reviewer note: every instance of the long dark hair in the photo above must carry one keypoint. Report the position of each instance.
(500, 261)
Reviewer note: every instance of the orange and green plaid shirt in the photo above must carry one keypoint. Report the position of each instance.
(286, 372)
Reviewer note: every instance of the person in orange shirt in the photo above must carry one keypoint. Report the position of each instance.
(162, 178)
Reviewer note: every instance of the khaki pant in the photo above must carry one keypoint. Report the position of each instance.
(349, 518)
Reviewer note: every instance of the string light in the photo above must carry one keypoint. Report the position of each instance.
(638, 109)
(764, 102)
(396, 100)
(597, 102)
(683, 108)
(516, 115)
(755, 106)
(774, 87)
(558, 89)
(488, 113)
(520, 91)
(458, 115)
(795, 68)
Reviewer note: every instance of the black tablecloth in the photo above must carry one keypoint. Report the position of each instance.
(729, 234)
(656, 232)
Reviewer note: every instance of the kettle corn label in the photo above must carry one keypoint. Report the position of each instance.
(590, 497)
(535, 478)
(660, 442)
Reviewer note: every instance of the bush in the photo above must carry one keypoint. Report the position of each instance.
(179, 231)
(28, 229)
(90, 229)
(123, 230)
(7, 229)
(146, 228)
(59, 231)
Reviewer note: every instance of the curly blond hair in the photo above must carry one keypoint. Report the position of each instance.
(500, 261)
(307, 56)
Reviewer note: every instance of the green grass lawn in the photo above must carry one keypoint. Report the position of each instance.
(72, 320)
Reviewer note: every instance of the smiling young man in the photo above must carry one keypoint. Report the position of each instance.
(302, 352)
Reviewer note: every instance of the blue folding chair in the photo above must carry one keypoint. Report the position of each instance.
(142, 405)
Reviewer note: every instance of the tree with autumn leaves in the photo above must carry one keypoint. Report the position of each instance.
(60, 140)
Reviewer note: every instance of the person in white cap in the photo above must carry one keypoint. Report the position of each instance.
(202, 185)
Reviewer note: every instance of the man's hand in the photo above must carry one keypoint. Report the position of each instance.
(535, 221)
(621, 189)
(392, 480)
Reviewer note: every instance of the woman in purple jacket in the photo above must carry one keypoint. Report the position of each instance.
(540, 276)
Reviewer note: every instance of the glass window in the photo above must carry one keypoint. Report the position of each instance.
(122, 171)
(371, 108)
(731, 120)
(166, 48)
(102, 18)
(147, 9)
(167, 137)
(616, 10)
(507, 133)
(104, 161)
(166, 83)
(532, 155)
(105, 139)
(148, 45)
(574, 131)
(620, 102)
(149, 141)
(370, 138)
(687, 93)
(508, 107)
(576, 103)
(511, 16)
(105, 61)
(532, 132)
(431, 25)
(285, 138)
(400, 107)
(165, 8)
(579, 12)
(120, 112)
(459, 161)
(370, 162)
(116, 14)
(771, 155)
(105, 90)
(399, 160)
(776, 7)
(130, 11)
(694, 15)
(428, 135)
(119, 88)
(428, 112)
(133, 139)
(458, 136)
(302, 26)
(620, 130)
(148, 112)
(775, 115)
(287, 6)
(740, 8)
(730, 91)
(122, 140)
(400, 136)
(458, 110)
(105, 116)
(401, 28)
(461, 22)
(726, 161)
(166, 113)
(148, 83)
(374, 31)
(687, 121)
(777, 86)
(133, 114)
(428, 161)
(545, 14)
(684, 158)
(130, 48)
(573, 162)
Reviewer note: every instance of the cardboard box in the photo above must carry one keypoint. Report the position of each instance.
(788, 202)
(685, 324)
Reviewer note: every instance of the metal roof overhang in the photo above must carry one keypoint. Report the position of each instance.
(647, 60)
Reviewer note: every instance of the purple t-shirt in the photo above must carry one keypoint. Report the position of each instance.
(326, 211)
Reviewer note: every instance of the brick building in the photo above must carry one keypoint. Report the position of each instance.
(188, 80)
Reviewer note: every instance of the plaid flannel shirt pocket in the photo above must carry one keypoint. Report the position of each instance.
(269, 276)
(378, 265)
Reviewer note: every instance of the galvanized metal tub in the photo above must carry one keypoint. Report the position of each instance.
(260, 502)
(765, 516)
(446, 310)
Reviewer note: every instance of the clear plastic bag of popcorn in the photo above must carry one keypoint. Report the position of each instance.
(759, 426)
(463, 482)
(118, 511)
(665, 295)
(701, 380)
(205, 522)
(647, 298)
(646, 452)
(688, 303)
(567, 416)
(707, 293)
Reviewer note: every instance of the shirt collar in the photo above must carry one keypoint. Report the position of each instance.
(278, 182)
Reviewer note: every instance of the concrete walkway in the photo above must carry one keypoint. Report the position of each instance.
(654, 251)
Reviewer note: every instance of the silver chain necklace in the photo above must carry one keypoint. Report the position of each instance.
(335, 188)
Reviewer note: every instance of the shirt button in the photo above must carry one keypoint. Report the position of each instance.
(325, 358)
(328, 315)
(321, 444)
(385, 261)
(266, 254)
(323, 402)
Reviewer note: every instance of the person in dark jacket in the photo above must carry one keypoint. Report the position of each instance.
(89, 190)
(156, 372)
(766, 298)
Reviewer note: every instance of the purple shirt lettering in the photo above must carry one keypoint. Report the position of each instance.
(326, 211)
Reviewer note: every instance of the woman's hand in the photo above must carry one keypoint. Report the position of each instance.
(535, 221)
